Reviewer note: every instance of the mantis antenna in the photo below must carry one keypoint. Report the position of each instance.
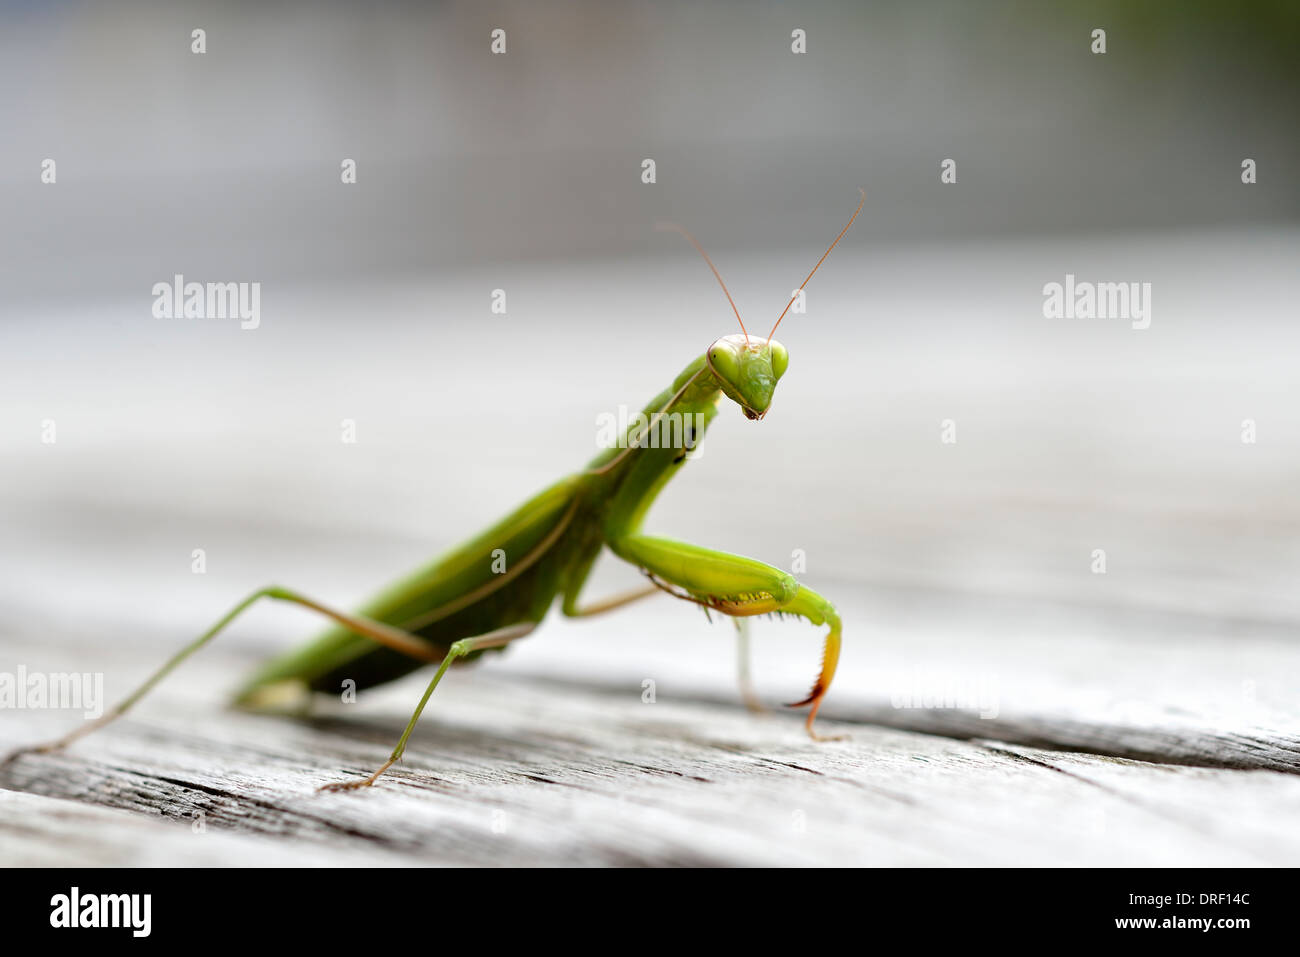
(700, 250)
(863, 192)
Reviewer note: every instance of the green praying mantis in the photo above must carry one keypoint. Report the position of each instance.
(462, 604)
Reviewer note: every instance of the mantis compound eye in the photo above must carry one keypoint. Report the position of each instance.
(780, 359)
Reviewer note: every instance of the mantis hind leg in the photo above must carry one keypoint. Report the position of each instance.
(374, 630)
(739, 587)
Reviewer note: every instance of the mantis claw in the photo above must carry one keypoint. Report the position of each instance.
(830, 658)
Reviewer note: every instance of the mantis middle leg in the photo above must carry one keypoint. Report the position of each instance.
(459, 649)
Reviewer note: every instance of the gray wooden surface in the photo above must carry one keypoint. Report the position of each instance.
(523, 765)
(1003, 704)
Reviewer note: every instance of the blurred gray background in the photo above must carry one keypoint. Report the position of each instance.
(522, 172)
(228, 162)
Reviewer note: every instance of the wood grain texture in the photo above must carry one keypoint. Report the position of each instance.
(512, 768)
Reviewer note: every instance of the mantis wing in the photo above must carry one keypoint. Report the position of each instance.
(506, 575)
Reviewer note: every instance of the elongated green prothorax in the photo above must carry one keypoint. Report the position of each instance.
(497, 587)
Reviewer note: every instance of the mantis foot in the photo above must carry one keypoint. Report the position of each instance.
(354, 785)
(14, 755)
(827, 737)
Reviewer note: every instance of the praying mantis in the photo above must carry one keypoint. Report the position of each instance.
(465, 603)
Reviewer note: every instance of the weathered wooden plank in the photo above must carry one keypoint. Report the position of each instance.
(38, 831)
(512, 771)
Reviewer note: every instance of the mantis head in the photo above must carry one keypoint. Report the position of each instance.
(747, 369)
